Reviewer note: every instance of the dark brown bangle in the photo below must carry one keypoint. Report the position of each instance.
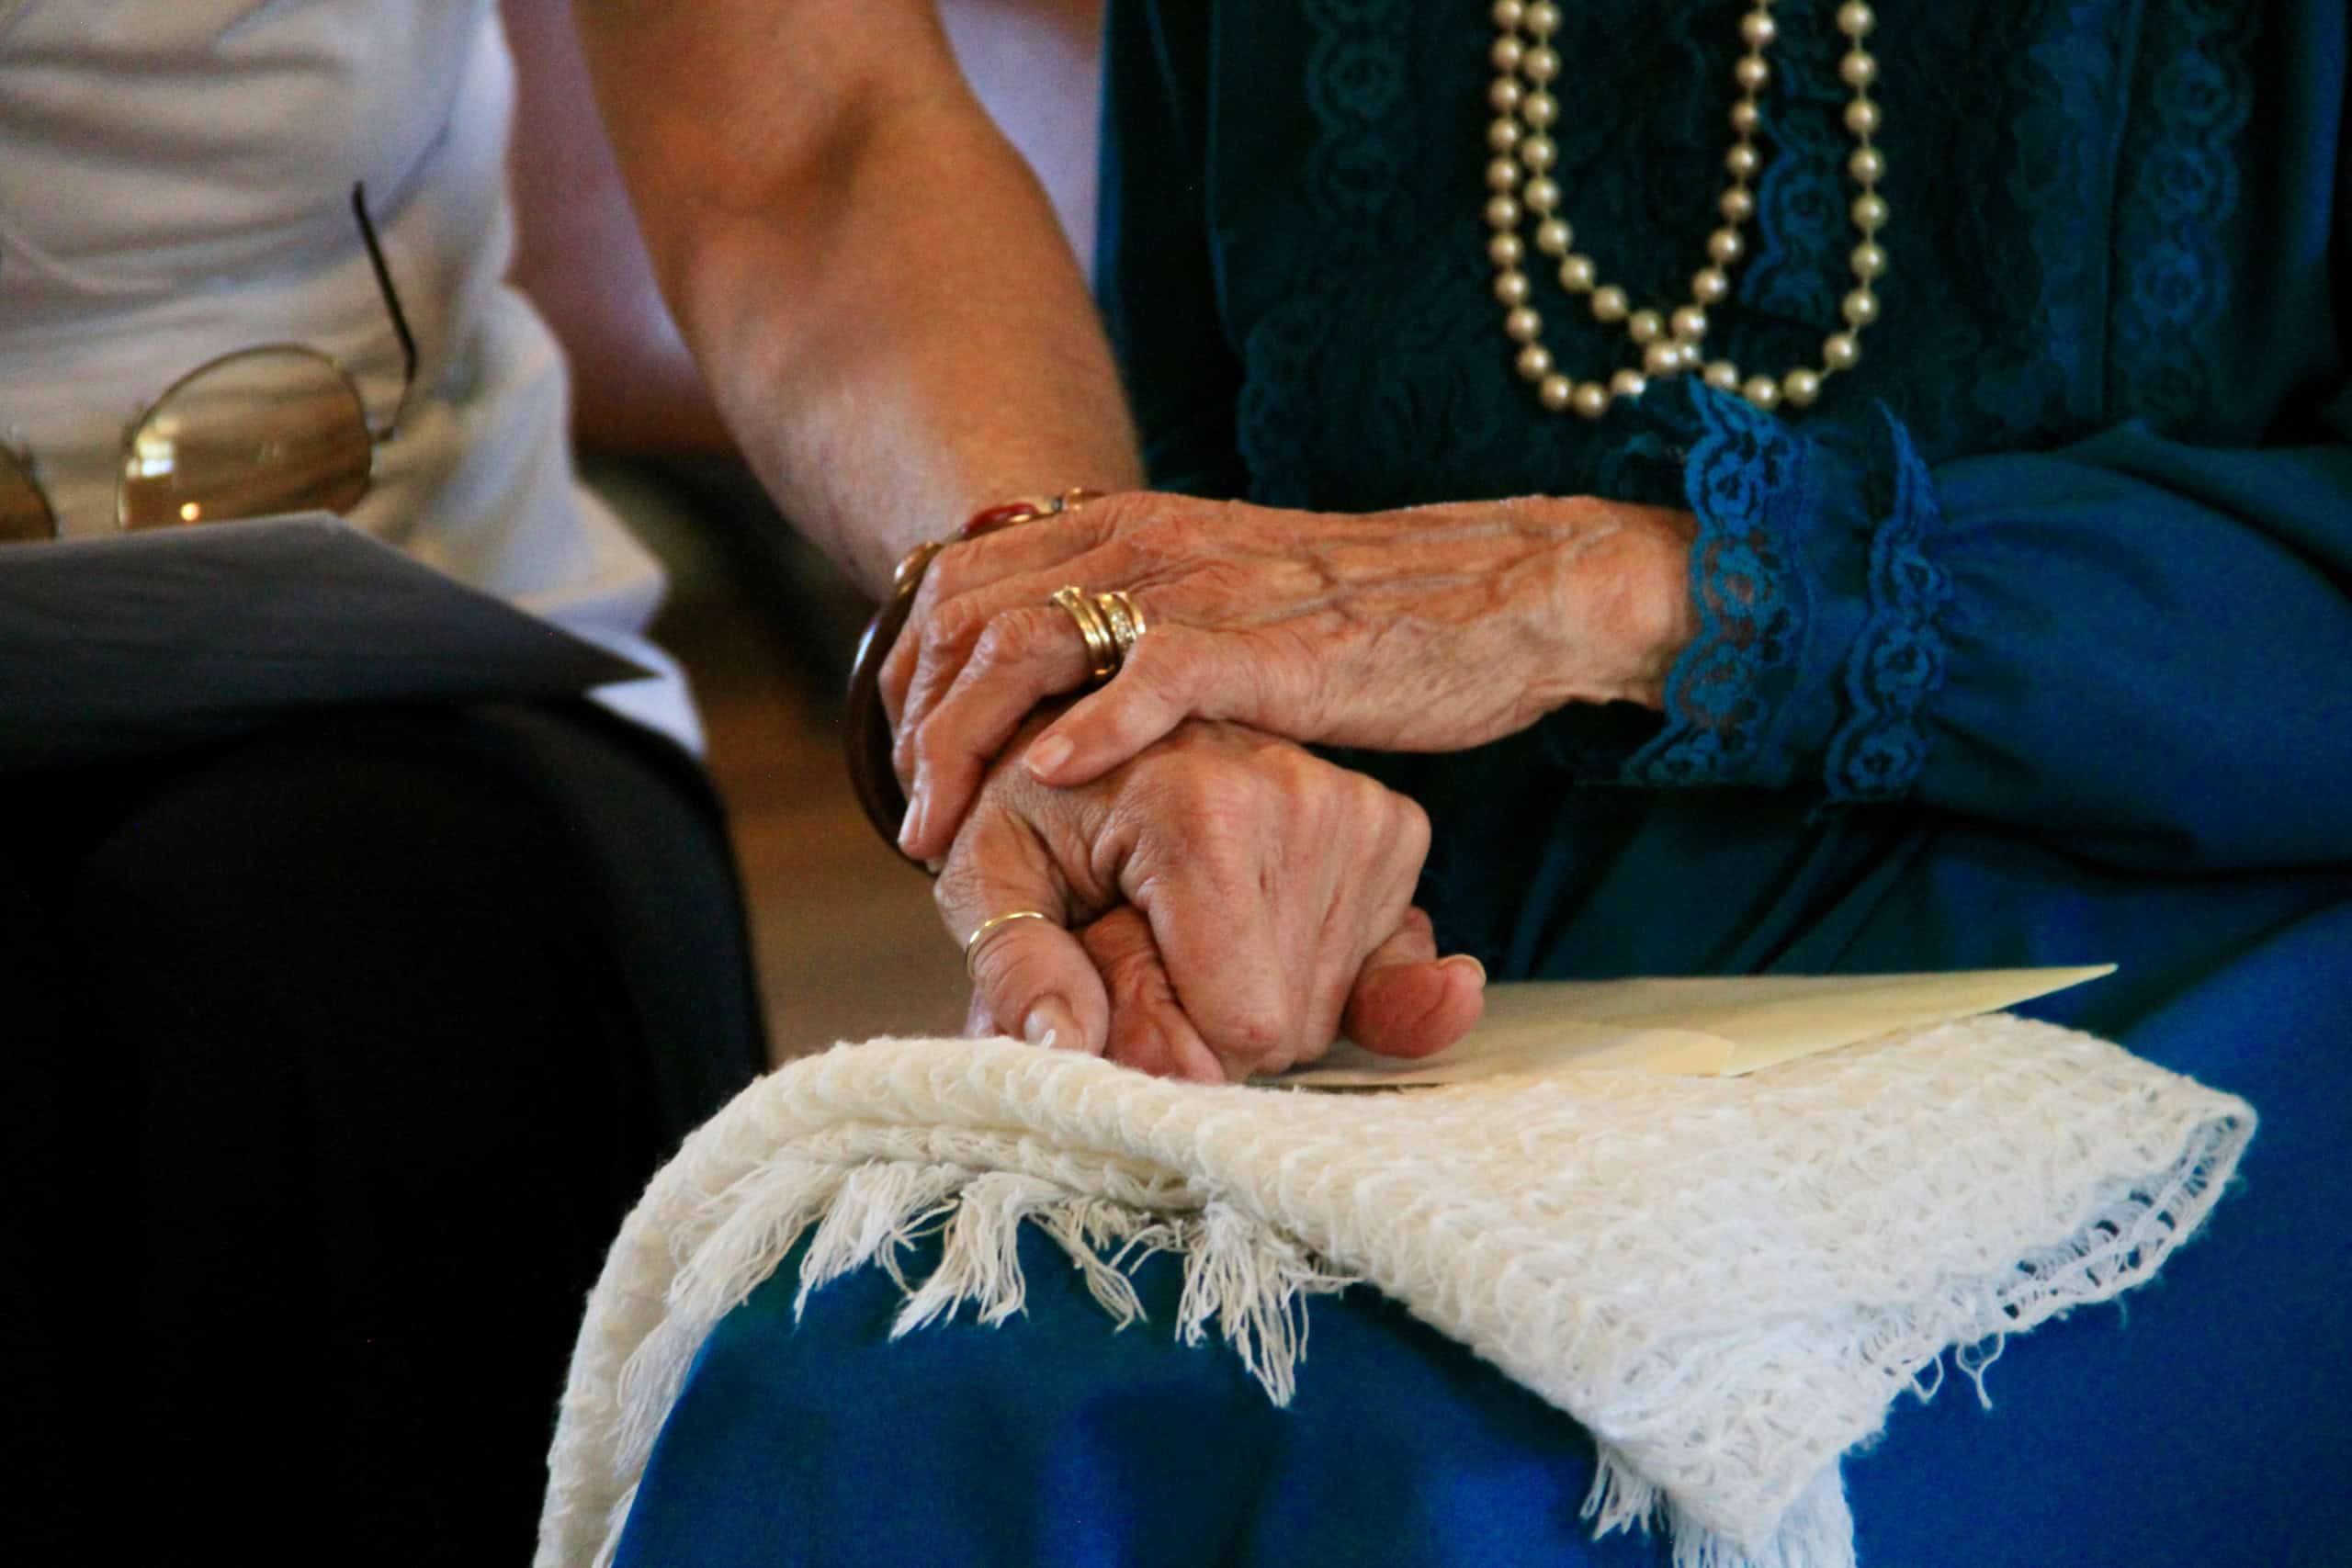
(866, 732)
(866, 738)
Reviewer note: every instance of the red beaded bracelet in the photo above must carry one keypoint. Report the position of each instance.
(867, 739)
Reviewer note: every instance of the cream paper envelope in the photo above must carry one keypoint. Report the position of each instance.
(1705, 1027)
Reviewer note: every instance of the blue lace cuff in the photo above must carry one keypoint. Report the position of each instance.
(1819, 644)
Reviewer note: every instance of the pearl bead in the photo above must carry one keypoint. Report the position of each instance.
(1522, 189)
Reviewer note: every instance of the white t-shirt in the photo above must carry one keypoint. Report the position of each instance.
(174, 185)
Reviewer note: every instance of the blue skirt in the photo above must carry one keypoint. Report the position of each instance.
(2207, 1420)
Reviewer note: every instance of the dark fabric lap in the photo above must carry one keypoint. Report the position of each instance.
(344, 1047)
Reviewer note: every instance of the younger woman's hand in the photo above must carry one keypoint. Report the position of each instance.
(1434, 629)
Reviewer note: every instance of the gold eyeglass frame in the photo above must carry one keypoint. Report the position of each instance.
(23, 463)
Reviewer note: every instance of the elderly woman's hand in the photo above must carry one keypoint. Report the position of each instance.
(1433, 629)
(1220, 907)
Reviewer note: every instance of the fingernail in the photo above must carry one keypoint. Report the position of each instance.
(1464, 961)
(1049, 754)
(1050, 1025)
(910, 827)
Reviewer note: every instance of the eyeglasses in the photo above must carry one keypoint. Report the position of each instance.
(277, 428)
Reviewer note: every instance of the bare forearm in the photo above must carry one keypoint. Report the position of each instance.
(873, 281)
(935, 352)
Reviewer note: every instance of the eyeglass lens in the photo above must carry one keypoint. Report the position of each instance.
(266, 431)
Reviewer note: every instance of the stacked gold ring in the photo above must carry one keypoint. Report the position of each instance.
(1111, 622)
(1125, 617)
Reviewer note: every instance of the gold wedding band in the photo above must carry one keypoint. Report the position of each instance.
(1102, 647)
(1126, 618)
(990, 928)
(1111, 622)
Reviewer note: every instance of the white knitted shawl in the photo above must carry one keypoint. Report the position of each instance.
(1727, 1280)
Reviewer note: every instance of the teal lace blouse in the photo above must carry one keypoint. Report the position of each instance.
(2065, 563)
(2031, 642)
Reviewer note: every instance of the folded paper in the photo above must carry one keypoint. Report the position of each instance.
(1708, 1027)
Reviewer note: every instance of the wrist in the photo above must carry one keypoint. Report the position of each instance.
(1660, 618)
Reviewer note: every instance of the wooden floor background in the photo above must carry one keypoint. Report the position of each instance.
(845, 937)
(847, 945)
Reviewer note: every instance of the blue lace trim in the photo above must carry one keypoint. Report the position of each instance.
(1756, 490)
(1746, 481)
(1898, 662)
(2183, 187)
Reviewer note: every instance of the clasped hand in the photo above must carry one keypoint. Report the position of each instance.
(1232, 901)
(1234, 894)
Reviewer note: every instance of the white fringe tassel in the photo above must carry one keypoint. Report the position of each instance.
(737, 1208)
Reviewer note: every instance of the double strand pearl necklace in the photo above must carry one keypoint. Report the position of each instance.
(1520, 184)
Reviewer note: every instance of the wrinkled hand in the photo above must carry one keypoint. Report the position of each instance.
(1233, 901)
(1433, 629)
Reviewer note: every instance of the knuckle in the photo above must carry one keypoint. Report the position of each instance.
(1256, 1029)
(953, 892)
(1412, 827)
(933, 738)
(952, 628)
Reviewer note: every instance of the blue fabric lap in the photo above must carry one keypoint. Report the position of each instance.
(2204, 1425)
